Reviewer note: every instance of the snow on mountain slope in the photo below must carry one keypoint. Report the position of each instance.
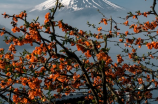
(75, 5)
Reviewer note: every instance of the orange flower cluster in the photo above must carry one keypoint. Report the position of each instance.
(110, 32)
(75, 76)
(104, 57)
(150, 26)
(64, 27)
(80, 48)
(130, 55)
(34, 93)
(32, 58)
(18, 42)
(15, 19)
(135, 17)
(2, 64)
(34, 25)
(155, 82)
(24, 80)
(47, 30)
(71, 32)
(40, 49)
(97, 81)
(28, 39)
(16, 64)
(126, 23)
(104, 20)
(55, 76)
(88, 54)
(110, 74)
(62, 78)
(99, 28)
(119, 72)
(131, 26)
(68, 90)
(138, 42)
(16, 99)
(1, 33)
(5, 15)
(130, 41)
(69, 67)
(148, 78)
(126, 33)
(15, 29)
(99, 36)
(34, 83)
(140, 80)
(34, 34)
(61, 66)
(4, 84)
(87, 43)
(134, 69)
(133, 50)
(81, 32)
(12, 48)
(136, 29)
(152, 45)
(125, 80)
(60, 24)
(145, 14)
(21, 15)
(76, 65)
(9, 56)
(119, 59)
(47, 18)
(118, 33)
(120, 40)
(76, 84)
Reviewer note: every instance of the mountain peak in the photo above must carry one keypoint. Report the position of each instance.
(75, 5)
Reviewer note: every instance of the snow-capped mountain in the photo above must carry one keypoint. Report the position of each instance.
(76, 5)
